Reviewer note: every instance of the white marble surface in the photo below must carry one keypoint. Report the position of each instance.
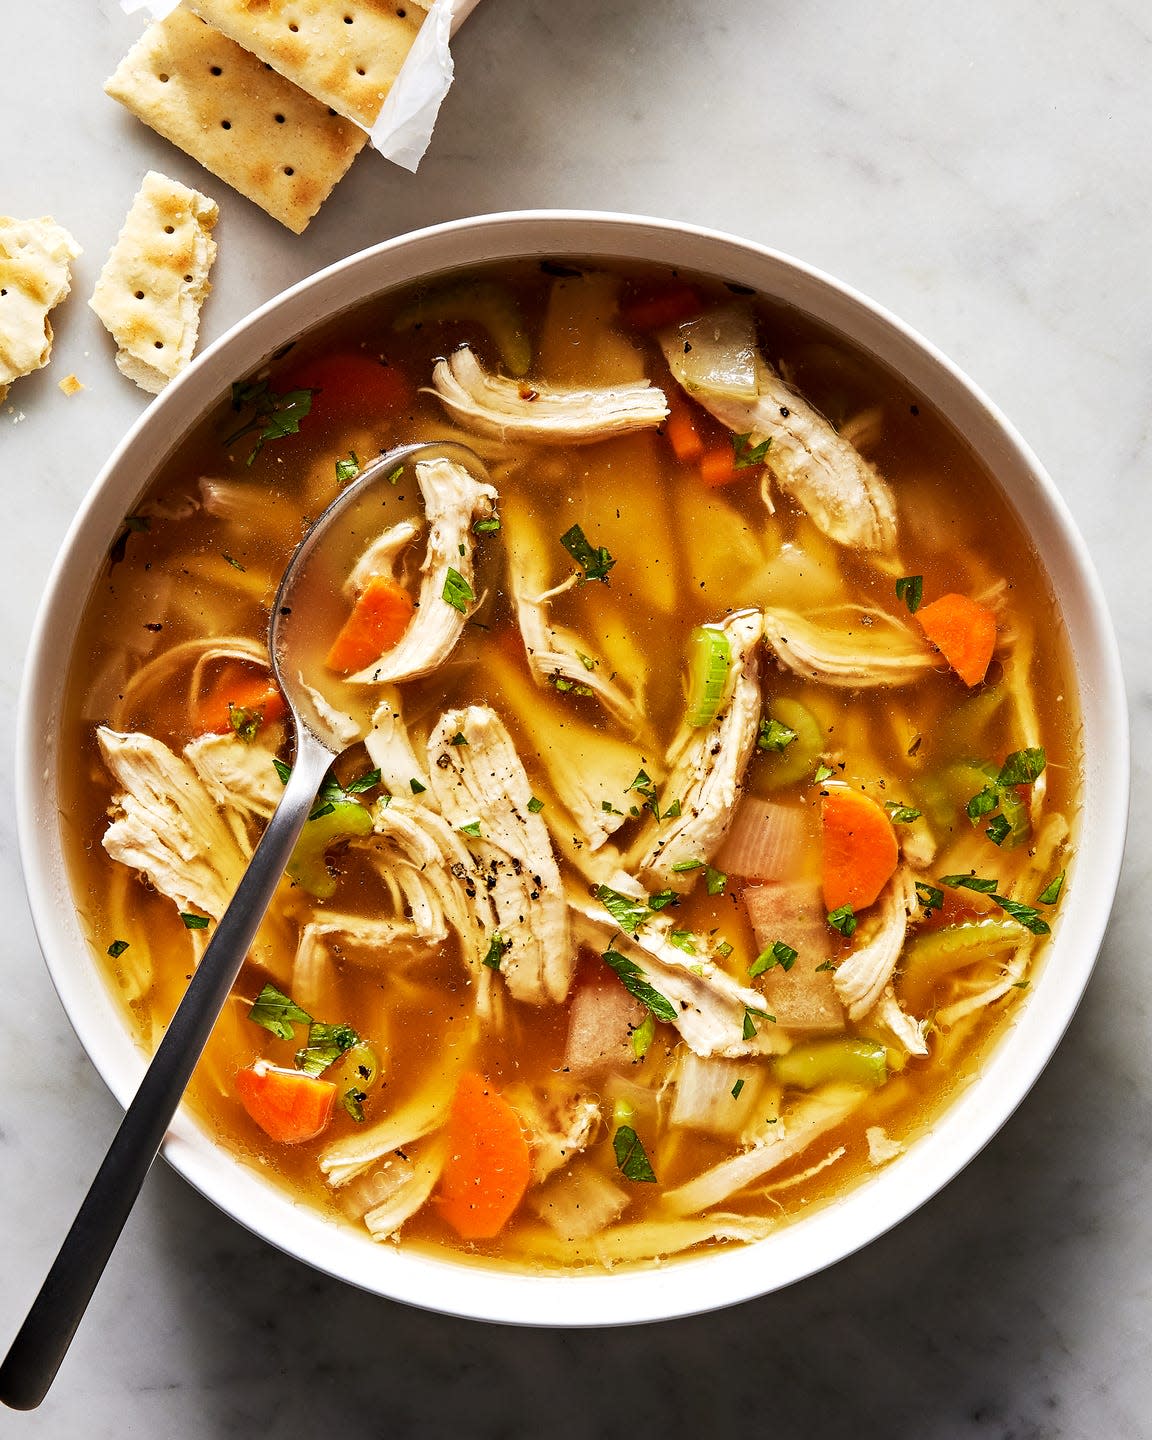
(983, 170)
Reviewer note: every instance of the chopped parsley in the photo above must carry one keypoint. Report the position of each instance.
(459, 738)
(472, 829)
(632, 978)
(496, 948)
(643, 1036)
(714, 881)
(825, 965)
(736, 1089)
(194, 922)
(277, 1012)
(487, 526)
(284, 771)
(631, 1157)
(1026, 915)
(347, 469)
(724, 949)
(748, 1029)
(681, 867)
(117, 948)
(236, 565)
(535, 806)
(970, 882)
(843, 919)
(595, 562)
(393, 476)
(1022, 767)
(745, 454)
(778, 953)
(999, 829)
(901, 814)
(823, 772)
(353, 1102)
(246, 723)
(274, 414)
(910, 589)
(683, 940)
(417, 788)
(457, 591)
(929, 896)
(326, 1043)
(586, 660)
(1048, 896)
(774, 736)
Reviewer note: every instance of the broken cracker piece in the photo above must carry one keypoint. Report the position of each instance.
(346, 55)
(153, 283)
(70, 385)
(35, 275)
(257, 131)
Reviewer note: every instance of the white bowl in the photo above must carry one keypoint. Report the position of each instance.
(807, 1245)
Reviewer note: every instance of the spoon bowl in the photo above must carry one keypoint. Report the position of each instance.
(320, 736)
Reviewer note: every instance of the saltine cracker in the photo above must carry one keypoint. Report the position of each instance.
(35, 275)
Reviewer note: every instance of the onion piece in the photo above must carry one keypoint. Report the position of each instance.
(765, 841)
(717, 352)
(578, 1203)
(715, 1095)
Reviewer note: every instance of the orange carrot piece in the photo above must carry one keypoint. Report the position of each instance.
(963, 632)
(655, 309)
(718, 465)
(238, 688)
(681, 429)
(488, 1162)
(860, 852)
(379, 618)
(287, 1105)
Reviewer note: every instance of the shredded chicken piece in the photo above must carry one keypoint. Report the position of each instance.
(887, 1016)
(169, 826)
(860, 980)
(807, 459)
(848, 646)
(414, 1182)
(429, 846)
(716, 1015)
(881, 1146)
(352, 1154)
(554, 652)
(390, 748)
(453, 500)
(796, 1129)
(383, 940)
(542, 414)
(239, 773)
(481, 783)
(381, 557)
(706, 767)
(559, 1120)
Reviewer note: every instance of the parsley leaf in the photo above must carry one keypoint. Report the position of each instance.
(496, 948)
(457, 592)
(284, 771)
(969, 882)
(736, 1089)
(274, 414)
(326, 1043)
(929, 896)
(643, 1036)
(596, 562)
(347, 469)
(1048, 896)
(910, 589)
(631, 1157)
(632, 978)
(823, 772)
(246, 723)
(774, 736)
(1026, 915)
(901, 814)
(236, 565)
(748, 1029)
(353, 1102)
(487, 526)
(472, 829)
(745, 454)
(535, 806)
(1022, 767)
(715, 881)
(117, 948)
(277, 1012)
(194, 922)
(778, 953)
(843, 919)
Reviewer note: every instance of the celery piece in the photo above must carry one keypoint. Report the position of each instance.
(933, 954)
(482, 303)
(797, 761)
(709, 660)
(342, 821)
(844, 1061)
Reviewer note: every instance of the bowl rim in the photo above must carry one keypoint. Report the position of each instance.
(690, 1285)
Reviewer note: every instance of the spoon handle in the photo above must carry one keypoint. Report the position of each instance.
(42, 1341)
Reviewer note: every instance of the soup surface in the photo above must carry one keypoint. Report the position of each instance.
(718, 768)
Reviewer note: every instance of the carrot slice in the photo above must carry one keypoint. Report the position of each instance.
(681, 429)
(238, 688)
(655, 309)
(379, 618)
(718, 465)
(860, 852)
(349, 385)
(488, 1162)
(963, 632)
(287, 1105)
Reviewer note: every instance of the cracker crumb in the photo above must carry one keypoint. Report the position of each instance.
(70, 385)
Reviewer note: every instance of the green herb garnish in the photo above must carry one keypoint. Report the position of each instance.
(823, 772)
(284, 771)
(999, 829)
(778, 953)
(631, 1157)
(246, 723)
(910, 589)
(774, 736)
(347, 469)
(535, 806)
(472, 829)
(745, 454)
(643, 1036)
(194, 922)
(748, 1029)
(417, 788)
(496, 948)
(277, 1012)
(596, 562)
(970, 882)
(736, 1089)
(459, 738)
(274, 414)
(632, 978)
(236, 565)
(353, 1102)
(117, 948)
(487, 526)
(1026, 915)
(715, 881)
(901, 814)
(929, 896)
(1048, 896)
(843, 919)
(326, 1043)
(457, 592)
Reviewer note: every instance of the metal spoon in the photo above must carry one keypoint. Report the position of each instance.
(43, 1340)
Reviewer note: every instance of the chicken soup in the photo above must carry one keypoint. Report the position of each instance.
(717, 784)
